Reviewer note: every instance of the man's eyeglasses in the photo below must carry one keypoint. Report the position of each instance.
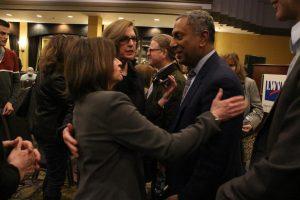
(128, 38)
(151, 50)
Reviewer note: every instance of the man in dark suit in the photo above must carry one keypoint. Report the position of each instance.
(275, 173)
(199, 175)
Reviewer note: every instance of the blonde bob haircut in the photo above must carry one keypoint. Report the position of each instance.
(116, 31)
(89, 66)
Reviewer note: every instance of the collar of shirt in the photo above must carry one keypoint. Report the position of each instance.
(295, 33)
(203, 61)
(198, 67)
(165, 67)
(295, 46)
(295, 37)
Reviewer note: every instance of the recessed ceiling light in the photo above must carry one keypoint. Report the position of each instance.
(39, 16)
(121, 18)
(156, 19)
(70, 16)
(10, 15)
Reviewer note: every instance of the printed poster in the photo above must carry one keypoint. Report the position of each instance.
(272, 84)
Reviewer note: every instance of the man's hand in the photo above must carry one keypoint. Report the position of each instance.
(25, 145)
(24, 160)
(170, 88)
(8, 109)
(10, 143)
(70, 140)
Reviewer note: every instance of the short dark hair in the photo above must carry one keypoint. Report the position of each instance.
(89, 66)
(4, 23)
(200, 20)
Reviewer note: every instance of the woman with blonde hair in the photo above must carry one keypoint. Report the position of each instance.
(254, 112)
(112, 135)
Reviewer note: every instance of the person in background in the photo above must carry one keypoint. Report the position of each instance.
(52, 105)
(28, 79)
(162, 57)
(112, 134)
(275, 168)
(9, 82)
(254, 113)
(146, 71)
(20, 161)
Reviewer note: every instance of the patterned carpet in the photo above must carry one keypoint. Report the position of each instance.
(32, 189)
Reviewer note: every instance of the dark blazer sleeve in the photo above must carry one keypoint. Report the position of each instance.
(9, 177)
(129, 128)
(277, 175)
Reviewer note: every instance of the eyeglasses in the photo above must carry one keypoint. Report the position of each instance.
(126, 39)
(150, 50)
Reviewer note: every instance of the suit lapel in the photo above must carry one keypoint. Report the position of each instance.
(198, 80)
(195, 87)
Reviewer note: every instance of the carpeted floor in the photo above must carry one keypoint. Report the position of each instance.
(32, 189)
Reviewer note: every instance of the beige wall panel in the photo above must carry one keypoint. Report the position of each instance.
(274, 48)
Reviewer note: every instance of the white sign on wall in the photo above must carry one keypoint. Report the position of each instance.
(272, 84)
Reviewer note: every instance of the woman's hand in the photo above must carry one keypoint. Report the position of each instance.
(228, 108)
(70, 140)
(247, 128)
(170, 88)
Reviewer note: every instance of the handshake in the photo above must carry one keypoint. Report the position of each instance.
(23, 156)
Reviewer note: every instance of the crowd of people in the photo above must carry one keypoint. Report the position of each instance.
(188, 136)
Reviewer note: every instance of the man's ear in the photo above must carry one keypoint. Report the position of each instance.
(165, 52)
(204, 38)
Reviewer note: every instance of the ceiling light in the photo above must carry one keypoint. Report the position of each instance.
(70, 16)
(10, 15)
(121, 18)
(156, 19)
(39, 16)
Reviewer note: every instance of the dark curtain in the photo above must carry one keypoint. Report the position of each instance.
(13, 42)
(34, 45)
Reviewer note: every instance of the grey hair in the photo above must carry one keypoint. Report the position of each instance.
(200, 20)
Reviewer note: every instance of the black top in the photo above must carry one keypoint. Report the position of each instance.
(9, 176)
(52, 105)
(133, 86)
